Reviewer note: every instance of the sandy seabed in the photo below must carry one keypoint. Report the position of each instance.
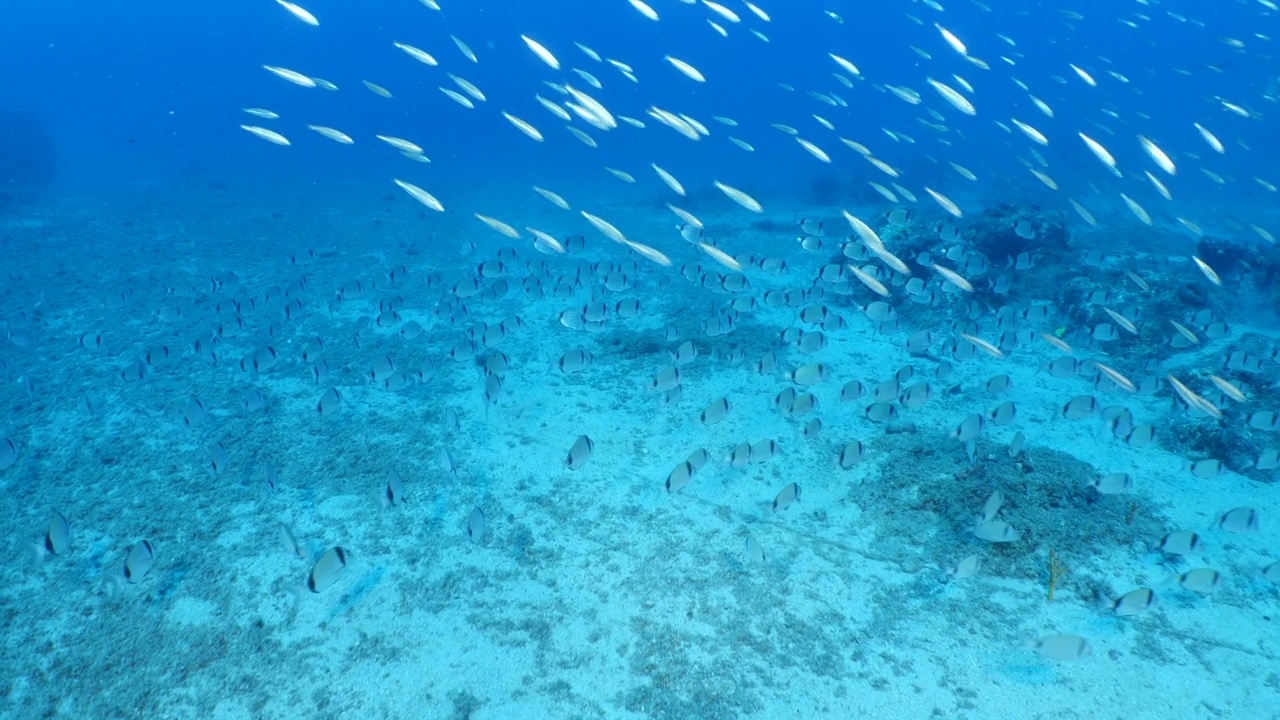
(593, 593)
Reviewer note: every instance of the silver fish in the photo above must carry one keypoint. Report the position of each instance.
(1061, 647)
(580, 453)
(996, 531)
(786, 496)
(752, 551)
(477, 526)
(138, 561)
(1133, 602)
(328, 570)
(1200, 580)
(58, 537)
(1180, 542)
(330, 402)
(393, 493)
(8, 453)
(680, 476)
(1240, 520)
(850, 455)
(1113, 483)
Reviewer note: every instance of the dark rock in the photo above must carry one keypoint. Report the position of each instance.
(1226, 258)
(1193, 294)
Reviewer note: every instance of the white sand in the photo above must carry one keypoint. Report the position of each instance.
(594, 593)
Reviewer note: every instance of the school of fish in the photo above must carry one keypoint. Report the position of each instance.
(845, 275)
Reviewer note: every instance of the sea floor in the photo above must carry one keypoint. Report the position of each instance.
(592, 593)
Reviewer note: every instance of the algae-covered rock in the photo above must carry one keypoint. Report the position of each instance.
(995, 232)
(927, 498)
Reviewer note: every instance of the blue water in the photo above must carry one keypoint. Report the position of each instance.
(593, 592)
(150, 89)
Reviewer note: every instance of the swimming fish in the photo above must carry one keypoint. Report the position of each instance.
(393, 492)
(984, 346)
(335, 135)
(328, 569)
(1208, 271)
(949, 94)
(464, 49)
(809, 374)
(420, 195)
(1137, 210)
(1113, 483)
(57, 538)
(1158, 156)
(944, 202)
(1210, 138)
(685, 68)
(787, 495)
(1206, 469)
(1180, 542)
(846, 65)
(292, 76)
(680, 476)
(477, 526)
(739, 197)
(715, 412)
(1239, 521)
(299, 13)
(418, 54)
(670, 180)
(270, 136)
(952, 40)
(377, 89)
(992, 506)
(644, 9)
(330, 402)
(552, 197)
(138, 561)
(579, 453)
(966, 567)
(1080, 407)
(1201, 581)
(1132, 603)
(542, 52)
(523, 126)
(851, 454)
(498, 226)
(1035, 135)
(1061, 647)
(1100, 152)
(953, 277)
(995, 531)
